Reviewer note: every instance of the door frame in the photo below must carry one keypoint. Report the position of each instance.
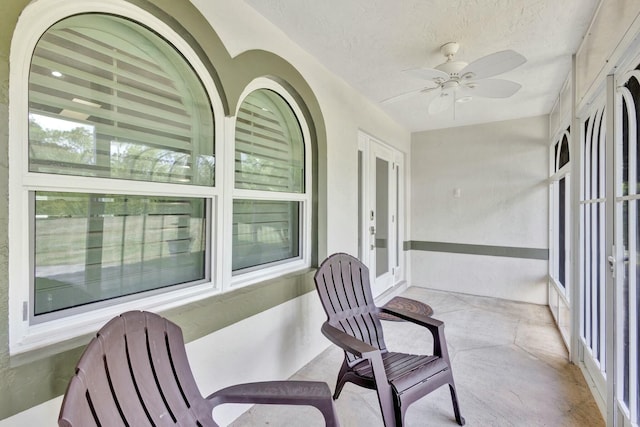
(369, 149)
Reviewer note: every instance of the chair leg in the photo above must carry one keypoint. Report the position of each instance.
(400, 411)
(341, 380)
(329, 413)
(391, 415)
(456, 408)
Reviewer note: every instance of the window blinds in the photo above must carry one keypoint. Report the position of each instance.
(269, 158)
(269, 145)
(110, 98)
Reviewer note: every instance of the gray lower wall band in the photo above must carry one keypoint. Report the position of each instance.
(460, 248)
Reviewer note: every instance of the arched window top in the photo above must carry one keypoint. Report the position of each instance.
(630, 99)
(269, 146)
(562, 150)
(110, 98)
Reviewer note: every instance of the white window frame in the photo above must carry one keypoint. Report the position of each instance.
(24, 336)
(559, 297)
(563, 173)
(243, 278)
(595, 367)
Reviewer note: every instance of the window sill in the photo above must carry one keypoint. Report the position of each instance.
(200, 314)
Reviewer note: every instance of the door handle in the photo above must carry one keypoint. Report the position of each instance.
(372, 231)
(612, 264)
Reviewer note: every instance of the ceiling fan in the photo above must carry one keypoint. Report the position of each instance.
(456, 81)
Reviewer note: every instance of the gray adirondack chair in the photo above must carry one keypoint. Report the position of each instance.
(400, 379)
(135, 372)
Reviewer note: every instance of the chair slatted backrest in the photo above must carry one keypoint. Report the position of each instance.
(135, 372)
(343, 284)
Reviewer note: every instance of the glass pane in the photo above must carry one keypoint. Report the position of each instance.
(95, 247)
(396, 260)
(593, 250)
(382, 220)
(269, 145)
(562, 231)
(625, 149)
(564, 152)
(630, 126)
(636, 307)
(110, 98)
(625, 313)
(264, 231)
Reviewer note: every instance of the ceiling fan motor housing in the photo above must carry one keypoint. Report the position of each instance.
(452, 67)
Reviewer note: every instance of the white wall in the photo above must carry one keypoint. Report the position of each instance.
(268, 346)
(501, 172)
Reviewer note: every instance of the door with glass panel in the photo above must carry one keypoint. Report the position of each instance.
(627, 246)
(379, 190)
(593, 271)
(609, 297)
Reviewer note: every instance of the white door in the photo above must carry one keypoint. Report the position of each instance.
(627, 246)
(380, 191)
(609, 246)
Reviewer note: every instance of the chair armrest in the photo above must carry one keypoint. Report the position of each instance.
(310, 393)
(436, 327)
(417, 318)
(273, 392)
(347, 342)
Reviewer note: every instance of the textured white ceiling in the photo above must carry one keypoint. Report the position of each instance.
(369, 42)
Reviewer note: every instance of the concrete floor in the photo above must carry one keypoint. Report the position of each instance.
(509, 363)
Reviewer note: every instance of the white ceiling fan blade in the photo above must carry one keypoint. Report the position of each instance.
(440, 103)
(428, 74)
(494, 64)
(407, 95)
(491, 88)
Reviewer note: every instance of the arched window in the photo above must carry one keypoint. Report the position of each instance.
(110, 98)
(592, 213)
(118, 167)
(270, 196)
(562, 150)
(560, 212)
(114, 140)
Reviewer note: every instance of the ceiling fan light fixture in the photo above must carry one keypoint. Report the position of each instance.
(451, 85)
(464, 99)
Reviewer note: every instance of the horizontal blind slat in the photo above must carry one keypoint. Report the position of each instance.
(100, 83)
(41, 90)
(102, 58)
